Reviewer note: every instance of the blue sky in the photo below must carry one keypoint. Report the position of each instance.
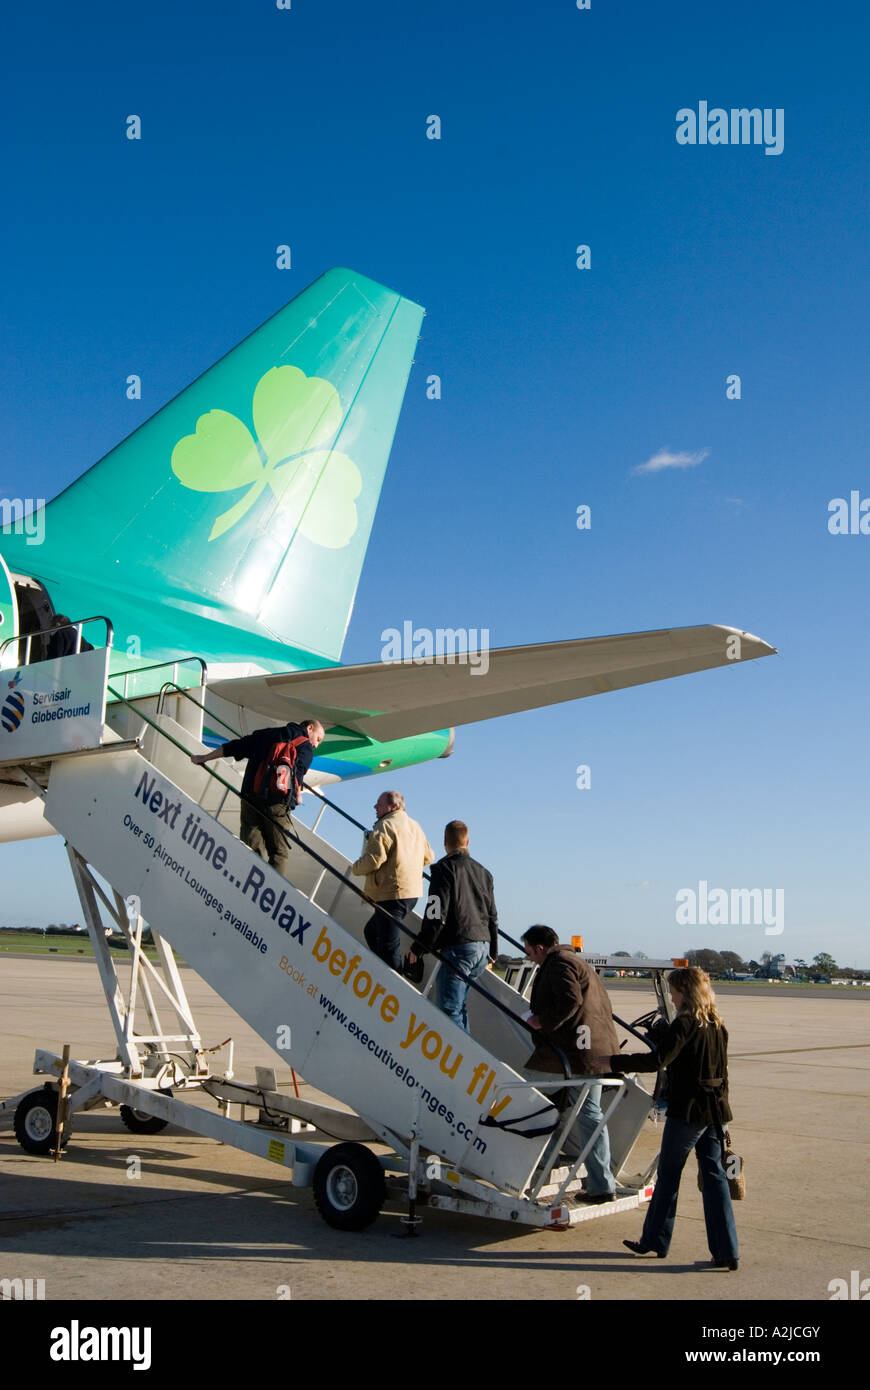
(308, 127)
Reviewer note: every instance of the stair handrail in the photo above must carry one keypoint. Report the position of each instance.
(316, 791)
(27, 637)
(348, 883)
(179, 690)
(155, 666)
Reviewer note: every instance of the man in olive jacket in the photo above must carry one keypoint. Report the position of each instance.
(571, 1010)
(392, 861)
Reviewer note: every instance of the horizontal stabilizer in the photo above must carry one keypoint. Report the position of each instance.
(391, 700)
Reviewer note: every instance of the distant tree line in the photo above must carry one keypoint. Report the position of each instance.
(115, 938)
(60, 929)
(729, 962)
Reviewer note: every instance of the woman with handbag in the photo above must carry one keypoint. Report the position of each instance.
(694, 1050)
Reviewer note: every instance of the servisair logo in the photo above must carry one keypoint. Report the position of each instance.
(12, 711)
(295, 418)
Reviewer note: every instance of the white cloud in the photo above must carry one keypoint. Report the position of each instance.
(666, 459)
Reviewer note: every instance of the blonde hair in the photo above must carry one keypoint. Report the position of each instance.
(699, 1001)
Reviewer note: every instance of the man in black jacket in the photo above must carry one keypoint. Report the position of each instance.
(461, 922)
(265, 809)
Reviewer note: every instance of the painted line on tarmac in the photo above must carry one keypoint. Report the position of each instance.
(787, 1051)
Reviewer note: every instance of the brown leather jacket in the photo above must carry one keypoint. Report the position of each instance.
(567, 993)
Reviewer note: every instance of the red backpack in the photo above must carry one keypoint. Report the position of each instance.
(274, 779)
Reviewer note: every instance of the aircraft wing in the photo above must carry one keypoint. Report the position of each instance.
(391, 700)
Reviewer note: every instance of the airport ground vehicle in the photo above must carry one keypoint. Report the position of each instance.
(424, 1110)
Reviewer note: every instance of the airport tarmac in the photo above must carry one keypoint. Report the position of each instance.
(205, 1221)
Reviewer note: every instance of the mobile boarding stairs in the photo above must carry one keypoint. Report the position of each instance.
(153, 838)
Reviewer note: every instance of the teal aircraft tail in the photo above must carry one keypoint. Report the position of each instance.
(238, 516)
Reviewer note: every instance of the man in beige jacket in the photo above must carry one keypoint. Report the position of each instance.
(392, 861)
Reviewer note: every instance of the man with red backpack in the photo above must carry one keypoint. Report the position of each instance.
(278, 759)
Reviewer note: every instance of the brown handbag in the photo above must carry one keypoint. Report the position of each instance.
(734, 1169)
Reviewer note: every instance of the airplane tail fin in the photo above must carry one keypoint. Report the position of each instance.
(250, 497)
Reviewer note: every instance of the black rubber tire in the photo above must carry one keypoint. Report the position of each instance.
(349, 1187)
(36, 1121)
(139, 1123)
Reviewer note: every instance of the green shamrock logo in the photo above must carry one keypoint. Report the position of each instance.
(295, 416)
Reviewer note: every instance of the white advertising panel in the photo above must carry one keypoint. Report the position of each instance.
(329, 1007)
(53, 706)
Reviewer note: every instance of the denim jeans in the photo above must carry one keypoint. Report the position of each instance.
(599, 1178)
(452, 990)
(678, 1140)
(382, 936)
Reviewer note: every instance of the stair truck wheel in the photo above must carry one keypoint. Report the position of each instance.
(36, 1121)
(349, 1187)
(140, 1122)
